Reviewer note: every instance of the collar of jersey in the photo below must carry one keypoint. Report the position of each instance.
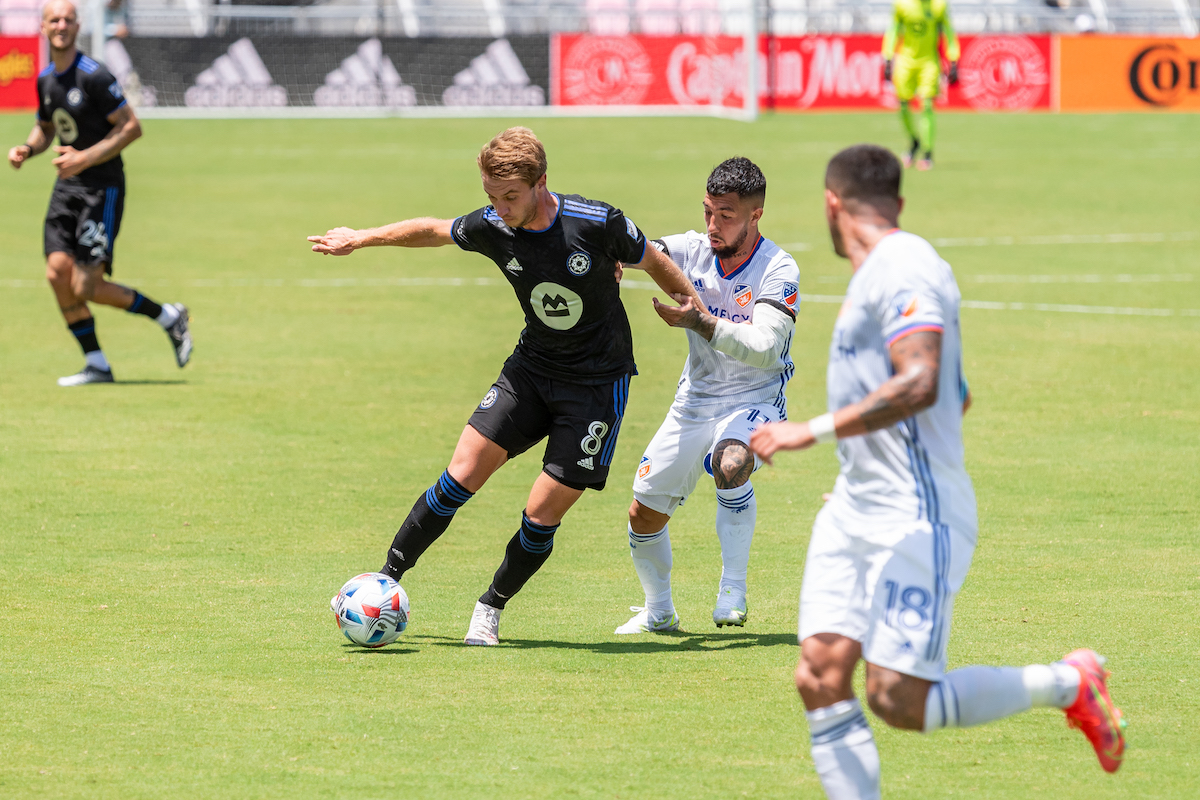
(721, 267)
(557, 214)
(78, 55)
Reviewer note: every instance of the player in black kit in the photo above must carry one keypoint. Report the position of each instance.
(568, 378)
(82, 102)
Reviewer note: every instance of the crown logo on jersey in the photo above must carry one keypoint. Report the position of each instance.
(513, 266)
(742, 294)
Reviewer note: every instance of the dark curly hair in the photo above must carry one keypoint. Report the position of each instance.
(740, 175)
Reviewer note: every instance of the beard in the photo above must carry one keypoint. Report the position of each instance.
(732, 249)
(839, 242)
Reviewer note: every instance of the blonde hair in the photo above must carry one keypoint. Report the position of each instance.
(514, 153)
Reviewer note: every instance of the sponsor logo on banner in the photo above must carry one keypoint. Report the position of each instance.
(20, 58)
(367, 78)
(1129, 73)
(495, 78)
(238, 79)
(1160, 74)
(16, 65)
(605, 70)
(701, 77)
(1003, 72)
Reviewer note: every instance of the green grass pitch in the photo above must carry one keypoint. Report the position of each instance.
(169, 545)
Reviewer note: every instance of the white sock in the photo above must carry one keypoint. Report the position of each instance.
(975, 695)
(96, 359)
(168, 316)
(651, 555)
(844, 752)
(736, 511)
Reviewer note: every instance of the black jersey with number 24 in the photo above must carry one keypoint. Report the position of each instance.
(576, 329)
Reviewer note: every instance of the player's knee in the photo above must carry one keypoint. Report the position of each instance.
(732, 464)
(83, 285)
(59, 271)
(645, 520)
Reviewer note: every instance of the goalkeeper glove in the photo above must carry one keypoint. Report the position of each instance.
(887, 70)
(953, 76)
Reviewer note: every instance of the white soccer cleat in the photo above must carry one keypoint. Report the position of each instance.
(485, 626)
(641, 622)
(731, 607)
(88, 374)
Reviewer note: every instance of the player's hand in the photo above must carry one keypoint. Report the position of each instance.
(887, 70)
(619, 271)
(70, 162)
(337, 242)
(686, 316)
(769, 438)
(953, 74)
(16, 156)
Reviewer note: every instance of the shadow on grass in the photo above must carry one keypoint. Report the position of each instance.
(674, 641)
(386, 650)
(175, 382)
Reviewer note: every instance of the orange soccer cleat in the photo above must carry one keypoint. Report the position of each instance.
(1093, 711)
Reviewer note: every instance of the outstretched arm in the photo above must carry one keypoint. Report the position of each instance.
(421, 232)
(669, 277)
(913, 388)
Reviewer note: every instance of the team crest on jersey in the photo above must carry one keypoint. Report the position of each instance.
(742, 294)
(579, 262)
(631, 229)
(75, 96)
(115, 90)
(644, 467)
(489, 399)
(906, 304)
(790, 291)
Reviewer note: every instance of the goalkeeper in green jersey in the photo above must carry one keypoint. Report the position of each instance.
(916, 70)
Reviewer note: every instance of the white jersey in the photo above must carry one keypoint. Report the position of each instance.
(731, 292)
(912, 470)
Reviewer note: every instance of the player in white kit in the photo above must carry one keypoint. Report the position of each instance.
(737, 368)
(891, 548)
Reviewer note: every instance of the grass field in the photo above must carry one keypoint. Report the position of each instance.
(170, 543)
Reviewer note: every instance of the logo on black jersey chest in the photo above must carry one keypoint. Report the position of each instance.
(74, 96)
(579, 263)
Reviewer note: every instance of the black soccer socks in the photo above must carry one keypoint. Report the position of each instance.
(429, 518)
(525, 554)
(144, 305)
(85, 333)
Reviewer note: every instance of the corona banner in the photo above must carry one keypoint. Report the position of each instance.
(20, 62)
(1126, 73)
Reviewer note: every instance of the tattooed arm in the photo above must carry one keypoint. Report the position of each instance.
(913, 388)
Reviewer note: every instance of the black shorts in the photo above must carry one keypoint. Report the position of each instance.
(582, 421)
(83, 221)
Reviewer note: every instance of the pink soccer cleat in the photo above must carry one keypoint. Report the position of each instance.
(1093, 711)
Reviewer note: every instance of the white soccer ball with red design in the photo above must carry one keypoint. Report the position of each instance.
(371, 609)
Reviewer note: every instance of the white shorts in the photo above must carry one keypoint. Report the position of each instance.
(681, 450)
(890, 589)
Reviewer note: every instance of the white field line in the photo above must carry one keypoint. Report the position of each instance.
(1176, 278)
(352, 282)
(1066, 238)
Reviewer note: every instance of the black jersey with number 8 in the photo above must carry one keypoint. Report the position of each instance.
(576, 328)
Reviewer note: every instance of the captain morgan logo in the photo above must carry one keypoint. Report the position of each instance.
(742, 294)
(16, 65)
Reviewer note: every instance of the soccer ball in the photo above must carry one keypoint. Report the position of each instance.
(371, 609)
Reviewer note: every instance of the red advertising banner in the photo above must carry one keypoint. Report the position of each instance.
(996, 73)
(20, 60)
(646, 70)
